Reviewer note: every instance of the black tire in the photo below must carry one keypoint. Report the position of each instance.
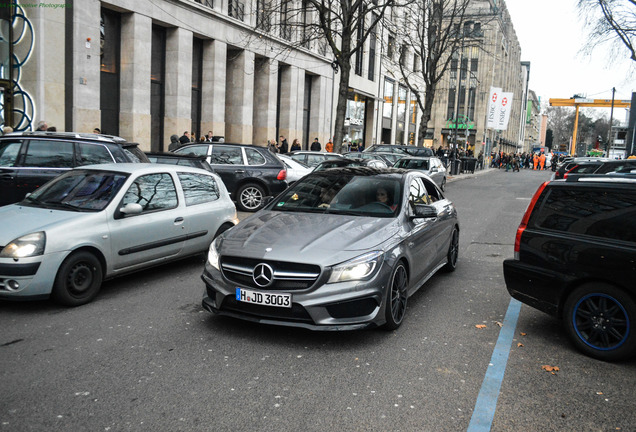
(250, 197)
(78, 279)
(599, 320)
(396, 297)
(453, 252)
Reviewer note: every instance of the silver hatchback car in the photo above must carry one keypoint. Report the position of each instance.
(341, 249)
(101, 221)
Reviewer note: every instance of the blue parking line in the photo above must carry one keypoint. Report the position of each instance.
(484, 411)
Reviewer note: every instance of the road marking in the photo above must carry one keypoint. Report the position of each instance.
(484, 412)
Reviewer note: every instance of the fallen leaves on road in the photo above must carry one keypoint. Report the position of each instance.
(552, 369)
(523, 334)
(499, 324)
(480, 326)
(519, 345)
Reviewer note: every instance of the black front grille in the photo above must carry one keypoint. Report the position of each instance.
(287, 276)
(296, 313)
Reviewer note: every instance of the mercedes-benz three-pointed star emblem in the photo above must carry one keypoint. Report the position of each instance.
(263, 275)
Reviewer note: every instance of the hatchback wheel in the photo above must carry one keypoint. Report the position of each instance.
(250, 197)
(78, 280)
(598, 318)
(396, 297)
(453, 252)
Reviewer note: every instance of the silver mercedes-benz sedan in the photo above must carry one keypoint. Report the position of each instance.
(341, 249)
(101, 221)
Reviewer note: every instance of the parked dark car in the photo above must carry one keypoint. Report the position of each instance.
(312, 158)
(575, 251)
(30, 159)
(250, 173)
(348, 162)
(179, 159)
(568, 163)
(389, 161)
(341, 249)
(400, 148)
(602, 167)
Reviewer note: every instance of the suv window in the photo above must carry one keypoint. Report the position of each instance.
(254, 157)
(49, 154)
(589, 211)
(93, 154)
(224, 154)
(9, 153)
(197, 150)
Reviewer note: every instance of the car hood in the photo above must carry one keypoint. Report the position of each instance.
(318, 238)
(18, 220)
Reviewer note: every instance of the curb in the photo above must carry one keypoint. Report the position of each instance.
(458, 177)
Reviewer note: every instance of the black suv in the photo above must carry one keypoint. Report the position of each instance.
(403, 149)
(250, 173)
(602, 167)
(575, 258)
(30, 159)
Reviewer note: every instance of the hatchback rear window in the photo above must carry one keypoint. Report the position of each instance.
(49, 154)
(595, 212)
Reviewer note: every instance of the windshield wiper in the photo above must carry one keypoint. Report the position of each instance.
(65, 205)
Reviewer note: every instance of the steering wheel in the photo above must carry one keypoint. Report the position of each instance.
(377, 206)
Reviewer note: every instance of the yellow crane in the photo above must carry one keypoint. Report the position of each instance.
(593, 103)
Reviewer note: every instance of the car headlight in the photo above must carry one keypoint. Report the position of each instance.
(213, 255)
(25, 246)
(359, 268)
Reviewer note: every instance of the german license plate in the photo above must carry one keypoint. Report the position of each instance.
(263, 298)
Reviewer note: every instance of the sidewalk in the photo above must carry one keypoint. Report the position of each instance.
(450, 178)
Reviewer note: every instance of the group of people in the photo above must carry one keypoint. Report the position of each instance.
(186, 138)
(525, 160)
(281, 146)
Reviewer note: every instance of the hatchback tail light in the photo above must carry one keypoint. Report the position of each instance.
(282, 175)
(526, 217)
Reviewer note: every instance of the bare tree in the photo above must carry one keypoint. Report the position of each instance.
(339, 27)
(435, 35)
(611, 22)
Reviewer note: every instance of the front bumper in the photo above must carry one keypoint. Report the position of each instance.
(327, 307)
(34, 276)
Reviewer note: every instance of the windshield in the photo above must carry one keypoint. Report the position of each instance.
(79, 190)
(342, 193)
(419, 164)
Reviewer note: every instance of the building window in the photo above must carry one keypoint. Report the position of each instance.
(387, 106)
(110, 42)
(197, 72)
(157, 79)
(208, 3)
(285, 28)
(390, 51)
(263, 18)
(306, 17)
(236, 9)
(360, 52)
(372, 37)
(401, 114)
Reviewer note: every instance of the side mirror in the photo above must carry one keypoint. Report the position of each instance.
(131, 209)
(424, 211)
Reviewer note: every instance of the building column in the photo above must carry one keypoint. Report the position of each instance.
(42, 75)
(292, 91)
(319, 115)
(265, 96)
(240, 92)
(178, 83)
(213, 87)
(136, 49)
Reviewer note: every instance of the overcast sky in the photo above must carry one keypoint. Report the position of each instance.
(551, 35)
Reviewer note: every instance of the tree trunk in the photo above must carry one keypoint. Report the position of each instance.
(429, 97)
(341, 107)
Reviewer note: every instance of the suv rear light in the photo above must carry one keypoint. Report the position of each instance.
(566, 174)
(282, 175)
(526, 217)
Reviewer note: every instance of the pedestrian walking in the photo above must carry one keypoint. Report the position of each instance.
(315, 146)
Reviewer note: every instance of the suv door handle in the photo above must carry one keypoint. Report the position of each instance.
(240, 171)
(6, 177)
(178, 220)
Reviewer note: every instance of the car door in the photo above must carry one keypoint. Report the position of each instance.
(435, 171)
(445, 219)
(228, 162)
(9, 192)
(204, 210)
(421, 237)
(43, 161)
(157, 233)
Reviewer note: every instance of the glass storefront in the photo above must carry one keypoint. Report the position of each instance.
(354, 119)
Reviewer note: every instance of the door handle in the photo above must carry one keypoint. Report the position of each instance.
(6, 177)
(240, 171)
(178, 220)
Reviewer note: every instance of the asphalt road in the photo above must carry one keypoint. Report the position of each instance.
(145, 356)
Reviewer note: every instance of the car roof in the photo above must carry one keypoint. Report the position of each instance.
(141, 168)
(68, 135)
(362, 171)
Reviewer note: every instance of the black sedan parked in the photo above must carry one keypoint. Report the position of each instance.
(250, 173)
(341, 249)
